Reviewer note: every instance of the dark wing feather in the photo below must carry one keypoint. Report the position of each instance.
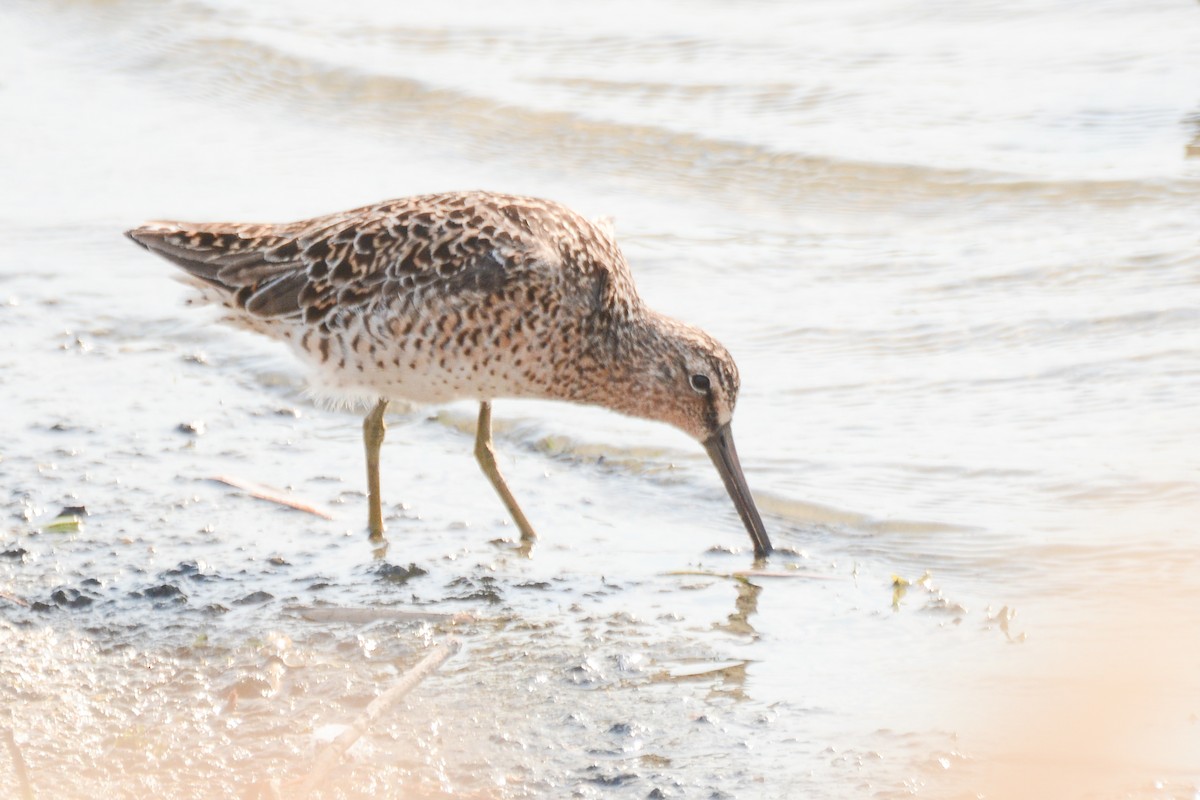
(239, 260)
(278, 297)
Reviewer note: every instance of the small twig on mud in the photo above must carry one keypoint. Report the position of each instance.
(19, 765)
(362, 616)
(12, 598)
(328, 757)
(272, 495)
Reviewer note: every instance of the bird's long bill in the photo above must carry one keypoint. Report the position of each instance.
(722, 452)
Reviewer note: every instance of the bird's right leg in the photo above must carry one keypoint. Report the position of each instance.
(373, 431)
(485, 454)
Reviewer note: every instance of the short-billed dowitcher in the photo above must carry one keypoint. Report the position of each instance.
(465, 295)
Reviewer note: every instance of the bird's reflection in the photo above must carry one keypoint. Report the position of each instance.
(744, 607)
(732, 682)
(379, 548)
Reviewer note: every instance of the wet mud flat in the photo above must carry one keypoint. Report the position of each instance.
(523, 710)
(215, 678)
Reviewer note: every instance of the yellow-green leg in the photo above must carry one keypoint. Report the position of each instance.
(373, 431)
(486, 455)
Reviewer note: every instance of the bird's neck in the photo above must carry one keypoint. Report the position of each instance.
(618, 363)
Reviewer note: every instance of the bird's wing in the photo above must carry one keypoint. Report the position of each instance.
(329, 268)
(340, 262)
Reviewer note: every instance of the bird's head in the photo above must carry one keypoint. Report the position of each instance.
(683, 376)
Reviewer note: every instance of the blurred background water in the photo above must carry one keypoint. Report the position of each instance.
(951, 245)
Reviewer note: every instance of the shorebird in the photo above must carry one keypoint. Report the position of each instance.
(465, 295)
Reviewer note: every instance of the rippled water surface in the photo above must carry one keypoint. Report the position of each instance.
(953, 247)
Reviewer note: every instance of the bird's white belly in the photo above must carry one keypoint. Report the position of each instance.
(351, 369)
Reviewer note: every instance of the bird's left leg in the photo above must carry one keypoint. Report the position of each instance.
(373, 431)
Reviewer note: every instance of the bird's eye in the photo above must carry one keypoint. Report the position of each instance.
(701, 383)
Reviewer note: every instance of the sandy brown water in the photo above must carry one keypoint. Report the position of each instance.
(960, 279)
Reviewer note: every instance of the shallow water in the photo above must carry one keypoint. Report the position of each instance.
(951, 246)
